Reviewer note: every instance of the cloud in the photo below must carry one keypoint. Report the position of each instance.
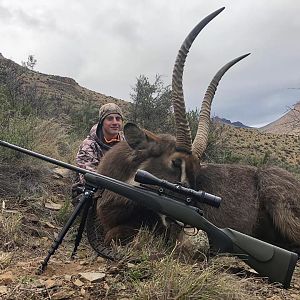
(105, 45)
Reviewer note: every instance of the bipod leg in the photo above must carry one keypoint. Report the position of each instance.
(88, 204)
(62, 234)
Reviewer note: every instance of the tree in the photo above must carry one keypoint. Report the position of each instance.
(193, 119)
(30, 63)
(152, 105)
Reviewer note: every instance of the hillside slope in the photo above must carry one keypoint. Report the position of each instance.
(64, 90)
(256, 146)
(289, 123)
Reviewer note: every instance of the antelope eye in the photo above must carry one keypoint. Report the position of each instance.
(176, 162)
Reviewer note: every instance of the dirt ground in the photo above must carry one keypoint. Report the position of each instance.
(27, 233)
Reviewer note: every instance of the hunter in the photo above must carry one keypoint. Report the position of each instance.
(103, 135)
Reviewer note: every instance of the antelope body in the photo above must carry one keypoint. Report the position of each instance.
(261, 202)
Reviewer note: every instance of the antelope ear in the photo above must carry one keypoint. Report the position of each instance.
(138, 138)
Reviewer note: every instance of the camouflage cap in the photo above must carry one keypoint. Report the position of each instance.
(107, 109)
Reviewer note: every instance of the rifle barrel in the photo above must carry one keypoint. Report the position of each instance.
(43, 157)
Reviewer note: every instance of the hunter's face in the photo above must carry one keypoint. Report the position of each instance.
(111, 126)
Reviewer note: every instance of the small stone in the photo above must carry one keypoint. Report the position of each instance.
(62, 295)
(68, 277)
(78, 283)
(101, 259)
(49, 283)
(93, 276)
(53, 206)
(7, 278)
(3, 289)
(59, 173)
(106, 286)
(193, 243)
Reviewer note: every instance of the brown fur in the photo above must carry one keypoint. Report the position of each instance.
(121, 217)
(264, 203)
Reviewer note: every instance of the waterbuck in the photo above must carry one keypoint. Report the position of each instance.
(263, 202)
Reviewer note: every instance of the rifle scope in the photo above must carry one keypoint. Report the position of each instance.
(145, 177)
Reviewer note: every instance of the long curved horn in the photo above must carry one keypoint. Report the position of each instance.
(183, 132)
(200, 141)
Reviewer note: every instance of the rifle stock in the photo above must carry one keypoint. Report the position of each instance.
(268, 260)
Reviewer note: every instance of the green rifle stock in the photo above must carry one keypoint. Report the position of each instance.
(268, 260)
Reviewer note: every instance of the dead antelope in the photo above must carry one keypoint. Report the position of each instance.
(260, 202)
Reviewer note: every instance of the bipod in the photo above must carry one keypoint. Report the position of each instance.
(85, 203)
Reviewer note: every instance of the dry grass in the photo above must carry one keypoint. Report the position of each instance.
(52, 139)
(256, 147)
(159, 272)
(10, 228)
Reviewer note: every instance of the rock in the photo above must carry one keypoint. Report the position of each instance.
(106, 286)
(101, 259)
(62, 295)
(53, 206)
(82, 292)
(78, 283)
(50, 283)
(93, 276)
(7, 278)
(194, 244)
(60, 173)
(3, 289)
(68, 277)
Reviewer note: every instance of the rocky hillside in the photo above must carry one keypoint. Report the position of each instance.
(64, 90)
(289, 123)
(228, 122)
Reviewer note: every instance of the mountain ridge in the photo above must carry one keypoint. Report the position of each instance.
(229, 122)
(53, 86)
(66, 91)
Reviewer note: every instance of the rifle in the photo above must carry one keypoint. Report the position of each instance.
(268, 260)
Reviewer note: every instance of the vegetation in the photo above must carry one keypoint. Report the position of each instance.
(30, 63)
(152, 106)
(48, 124)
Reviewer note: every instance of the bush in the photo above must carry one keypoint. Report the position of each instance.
(18, 130)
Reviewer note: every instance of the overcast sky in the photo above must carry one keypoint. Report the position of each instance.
(105, 45)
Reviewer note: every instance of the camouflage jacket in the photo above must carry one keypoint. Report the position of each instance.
(92, 149)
